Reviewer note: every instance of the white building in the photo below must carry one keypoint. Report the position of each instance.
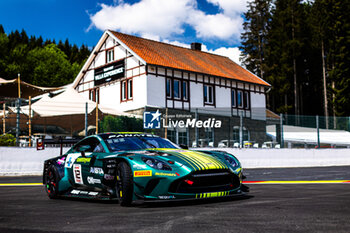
(129, 73)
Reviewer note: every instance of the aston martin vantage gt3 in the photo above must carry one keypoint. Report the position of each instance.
(141, 167)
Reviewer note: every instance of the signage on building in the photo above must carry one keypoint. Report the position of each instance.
(109, 72)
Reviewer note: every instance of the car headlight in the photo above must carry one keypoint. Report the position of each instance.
(231, 160)
(156, 164)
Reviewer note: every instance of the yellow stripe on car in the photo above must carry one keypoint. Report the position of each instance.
(213, 194)
(219, 163)
(205, 162)
(189, 161)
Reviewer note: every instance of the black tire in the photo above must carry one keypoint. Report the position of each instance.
(124, 184)
(51, 182)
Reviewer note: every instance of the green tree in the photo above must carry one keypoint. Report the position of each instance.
(338, 29)
(7, 140)
(39, 62)
(51, 67)
(4, 51)
(284, 55)
(17, 62)
(254, 37)
(121, 124)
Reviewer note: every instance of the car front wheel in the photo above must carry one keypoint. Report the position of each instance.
(124, 184)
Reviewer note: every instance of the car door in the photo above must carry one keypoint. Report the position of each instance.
(81, 163)
(92, 167)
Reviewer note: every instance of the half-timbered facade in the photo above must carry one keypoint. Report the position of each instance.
(130, 73)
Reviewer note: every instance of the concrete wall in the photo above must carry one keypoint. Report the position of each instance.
(29, 161)
(273, 158)
(25, 161)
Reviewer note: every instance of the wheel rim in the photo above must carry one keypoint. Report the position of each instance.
(50, 182)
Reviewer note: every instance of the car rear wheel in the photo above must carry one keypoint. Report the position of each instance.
(51, 182)
(124, 184)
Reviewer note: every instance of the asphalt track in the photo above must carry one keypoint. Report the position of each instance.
(280, 206)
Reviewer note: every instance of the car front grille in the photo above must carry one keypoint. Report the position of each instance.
(206, 181)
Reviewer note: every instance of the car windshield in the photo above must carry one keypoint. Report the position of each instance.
(125, 142)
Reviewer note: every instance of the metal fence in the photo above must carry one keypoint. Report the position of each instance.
(27, 126)
(198, 127)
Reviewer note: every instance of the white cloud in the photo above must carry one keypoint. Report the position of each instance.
(177, 43)
(147, 17)
(160, 19)
(231, 7)
(232, 52)
(216, 26)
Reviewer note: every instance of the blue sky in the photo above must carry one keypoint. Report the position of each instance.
(215, 23)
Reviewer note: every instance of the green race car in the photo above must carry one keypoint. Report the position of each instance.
(139, 166)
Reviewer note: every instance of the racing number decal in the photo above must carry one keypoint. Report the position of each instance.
(78, 179)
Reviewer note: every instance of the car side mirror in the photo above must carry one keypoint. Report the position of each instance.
(84, 148)
(183, 146)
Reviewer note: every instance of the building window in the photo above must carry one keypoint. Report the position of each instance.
(168, 87)
(171, 135)
(208, 94)
(123, 90)
(245, 134)
(233, 98)
(178, 135)
(185, 90)
(177, 89)
(209, 136)
(240, 99)
(94, 95)
(177, 94)
(246, 100)
(130, 89)
(109, 55)
(126, 90)
(183, 138)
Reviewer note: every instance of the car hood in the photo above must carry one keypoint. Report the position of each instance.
(194, 160)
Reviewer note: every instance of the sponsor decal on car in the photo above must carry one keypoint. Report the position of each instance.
(70, 160)
(96, 170)
(61, 161)
(77, 192)
(213, 194)
(108, 177)
(111, 165)
(143, 173)
(139, 166)
(77, 174)
(164, 174)
(166, 197)
(83, 160)
(92, 180)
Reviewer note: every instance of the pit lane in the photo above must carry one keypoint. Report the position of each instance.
(311, 207)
